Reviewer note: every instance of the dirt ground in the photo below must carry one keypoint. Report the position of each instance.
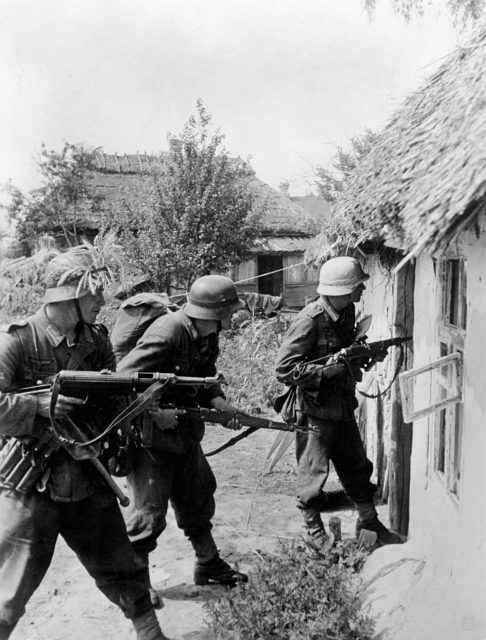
(255, 511)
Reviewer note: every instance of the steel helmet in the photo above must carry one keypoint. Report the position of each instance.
(339, 276)
(212, 298)
(74, 274)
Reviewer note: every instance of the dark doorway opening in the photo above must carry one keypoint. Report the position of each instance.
(271, 284)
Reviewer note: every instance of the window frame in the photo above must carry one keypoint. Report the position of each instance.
(445, 408)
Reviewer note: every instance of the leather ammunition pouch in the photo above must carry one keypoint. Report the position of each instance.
(23, 463)
(285, 404)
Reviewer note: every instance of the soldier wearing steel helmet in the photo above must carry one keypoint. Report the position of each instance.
(69, 497)
(172, 465)
(325, 397)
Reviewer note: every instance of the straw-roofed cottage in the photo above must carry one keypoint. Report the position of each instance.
(287, 227)
(415, 210)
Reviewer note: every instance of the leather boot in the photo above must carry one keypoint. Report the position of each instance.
(203, 544)
(383, 535)
(5, 630)
(147, 627)
(217, 570)
(316, 533)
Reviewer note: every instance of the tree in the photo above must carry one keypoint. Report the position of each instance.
(331, 182)
(56, 205)
(193, 213)
(463, 12)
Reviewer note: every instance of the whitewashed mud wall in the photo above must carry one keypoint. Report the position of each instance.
(434, 586)
(374, 413)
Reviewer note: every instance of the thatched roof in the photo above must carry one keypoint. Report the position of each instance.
(131, 163)
(319, 208)
(425, 179)
(115, 177)
(281, 216)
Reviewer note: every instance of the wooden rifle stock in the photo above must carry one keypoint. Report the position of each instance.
(255, 422)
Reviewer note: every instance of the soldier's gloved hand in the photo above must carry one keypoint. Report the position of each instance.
(64, 405)
(164, 418)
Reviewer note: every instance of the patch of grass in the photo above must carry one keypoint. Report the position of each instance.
(247, 357)
(300, 594)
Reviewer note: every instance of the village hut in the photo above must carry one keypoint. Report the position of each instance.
(415, 212)
(275, 264)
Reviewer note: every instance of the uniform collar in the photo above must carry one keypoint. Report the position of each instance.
(54, 335)
(189, 325)
(329, 309)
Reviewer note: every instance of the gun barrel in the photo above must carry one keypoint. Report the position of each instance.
(381, 345)
(122, 383)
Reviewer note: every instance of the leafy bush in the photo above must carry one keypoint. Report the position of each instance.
(21, 288)
(193, 213)
(297, 595)
(19, 300)
(247, 357)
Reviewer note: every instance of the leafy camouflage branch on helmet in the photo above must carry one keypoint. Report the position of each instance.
(82, 269)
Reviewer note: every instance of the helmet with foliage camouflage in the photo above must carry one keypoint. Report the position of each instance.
(212, 298)
(75, 273)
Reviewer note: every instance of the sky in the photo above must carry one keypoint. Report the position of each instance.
(286, 81)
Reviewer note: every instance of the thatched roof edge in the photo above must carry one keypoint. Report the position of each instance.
(424, 181)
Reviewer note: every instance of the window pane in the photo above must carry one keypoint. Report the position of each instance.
(463, 297)
(452, 292)
(455, 472)
(440, 442)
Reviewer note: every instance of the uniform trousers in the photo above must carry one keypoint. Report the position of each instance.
(93, 528)
(339, 442)
(186, 480)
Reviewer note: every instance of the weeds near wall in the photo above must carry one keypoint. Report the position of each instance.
(298, 595)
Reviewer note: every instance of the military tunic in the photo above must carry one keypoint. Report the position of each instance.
(73, 501)
(326, 402)
(173, 467)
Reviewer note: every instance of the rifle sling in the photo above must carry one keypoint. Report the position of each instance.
(134, 409)
(232, 441)
(401, 358)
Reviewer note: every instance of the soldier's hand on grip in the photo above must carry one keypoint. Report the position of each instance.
(233, 423)
(64, 405)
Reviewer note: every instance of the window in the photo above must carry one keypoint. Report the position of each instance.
(452, 287)
(451, 328)
(444, 376)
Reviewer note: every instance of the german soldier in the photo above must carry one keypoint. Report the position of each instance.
(326, 397)
(171, 465)
(69, 497)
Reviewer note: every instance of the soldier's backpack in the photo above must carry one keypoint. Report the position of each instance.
(134, 317)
